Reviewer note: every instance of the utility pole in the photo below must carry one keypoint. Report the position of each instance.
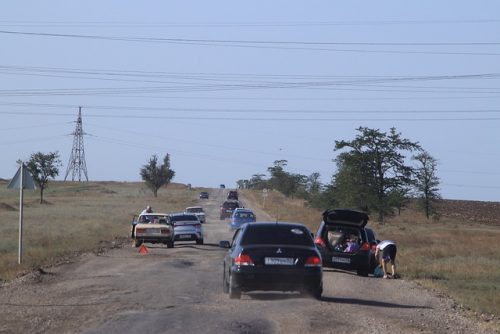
(77, 165)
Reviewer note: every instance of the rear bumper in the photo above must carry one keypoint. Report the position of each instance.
(358, 261)
(192, 236)
(276, 278)
(154, 240)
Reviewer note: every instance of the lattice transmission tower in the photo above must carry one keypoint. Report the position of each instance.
(77, 165)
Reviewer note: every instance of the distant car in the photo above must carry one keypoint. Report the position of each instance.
(343, 241)
(227, 208)
(272, 256)
(203, 195)
(198, 211)
(187, 227)
(241, 216)
(232, 195)
(222, 186)
(152, 228)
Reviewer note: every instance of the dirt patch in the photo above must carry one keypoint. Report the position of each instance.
(7, 207)
(471, 211)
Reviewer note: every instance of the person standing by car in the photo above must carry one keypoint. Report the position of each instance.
(385, 252)
(148, 209)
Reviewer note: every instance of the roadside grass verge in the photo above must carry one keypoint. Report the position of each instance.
(76, 218)
(459, 258)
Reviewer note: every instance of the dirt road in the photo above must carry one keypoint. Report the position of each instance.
(180, 290)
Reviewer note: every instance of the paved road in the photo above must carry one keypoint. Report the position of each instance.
(180, 290)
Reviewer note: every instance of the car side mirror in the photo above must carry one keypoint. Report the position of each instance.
(224, 244)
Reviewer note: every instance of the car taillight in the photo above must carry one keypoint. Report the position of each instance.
(313, 261)
(165, 231)
(140, 230)
(365, 246)
(243, 260)
(319, 241)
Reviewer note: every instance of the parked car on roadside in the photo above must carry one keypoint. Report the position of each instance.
(343, 241)
(227, 208)
(203, 195)
(198, 211)
(187, 227)
(241, 216)
(152, 228)
(272, 256)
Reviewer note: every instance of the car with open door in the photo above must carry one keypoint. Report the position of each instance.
(343, 241)
(272, 256)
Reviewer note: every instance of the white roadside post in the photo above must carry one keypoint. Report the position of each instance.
(23, 180)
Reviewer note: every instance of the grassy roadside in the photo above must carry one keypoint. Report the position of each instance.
(78, 217)
(458, 258)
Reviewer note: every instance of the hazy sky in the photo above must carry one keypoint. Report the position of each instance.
(228, 87)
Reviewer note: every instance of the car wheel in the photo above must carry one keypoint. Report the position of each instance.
(138, 243)
(362, 272)
(170, 244)
(199, 242)
(234, 292)
(225, 286)
(316, 293)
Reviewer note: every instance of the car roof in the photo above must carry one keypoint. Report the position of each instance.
(243, 210)
(153, 214)
(284, 224)
(194, 207)
(345, 217)
(181, 214)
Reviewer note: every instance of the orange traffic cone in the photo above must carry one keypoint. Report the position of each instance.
(143, 249)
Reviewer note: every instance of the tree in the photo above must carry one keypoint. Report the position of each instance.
(426, 182)
(377, 160)
(43, 167)
(156, 175)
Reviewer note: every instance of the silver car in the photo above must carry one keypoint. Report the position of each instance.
(187, 227)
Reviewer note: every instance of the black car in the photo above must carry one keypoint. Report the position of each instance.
(227, 209)
(272, 256)
(203, 195)
(232, 195)
(343, 241)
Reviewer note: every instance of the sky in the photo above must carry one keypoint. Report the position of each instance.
(228, 87)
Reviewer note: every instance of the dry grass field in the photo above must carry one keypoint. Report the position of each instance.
(76, 218)
(456, 255)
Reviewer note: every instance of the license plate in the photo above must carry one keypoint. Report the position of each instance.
(279, 261)
(341, 259)
(185, 236)
(153, 231)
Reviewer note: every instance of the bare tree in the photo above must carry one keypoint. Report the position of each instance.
(426, 182)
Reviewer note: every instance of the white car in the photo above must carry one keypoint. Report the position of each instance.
(187, 227)
(198, 211)
(153, 228)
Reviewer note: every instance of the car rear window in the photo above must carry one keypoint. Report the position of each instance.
(277, 234)
(194, 210)
(245, 215)
(231, 205)
(183, 218)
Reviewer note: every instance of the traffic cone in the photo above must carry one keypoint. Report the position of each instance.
(143, 249)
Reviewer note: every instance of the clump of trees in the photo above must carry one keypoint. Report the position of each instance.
(42, 168)
(373, 174)
(157, 175)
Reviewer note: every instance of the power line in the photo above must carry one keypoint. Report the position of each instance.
(138, 24)
(272, 44)
(269, 119)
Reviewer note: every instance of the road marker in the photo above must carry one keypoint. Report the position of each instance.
(143, 249)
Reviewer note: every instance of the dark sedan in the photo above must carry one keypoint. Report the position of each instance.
(274, 257)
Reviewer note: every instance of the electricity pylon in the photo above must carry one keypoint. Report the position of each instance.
(77, 165)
